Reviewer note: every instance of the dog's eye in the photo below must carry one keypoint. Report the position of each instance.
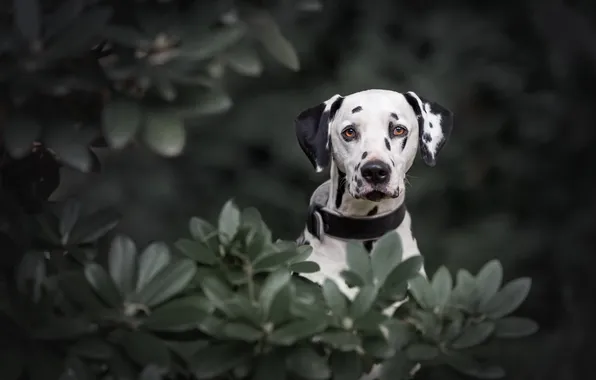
(399, 131)
(349, 134)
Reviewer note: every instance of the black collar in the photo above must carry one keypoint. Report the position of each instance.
(321, 221)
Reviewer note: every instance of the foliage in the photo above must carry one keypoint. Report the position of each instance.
(228, 302)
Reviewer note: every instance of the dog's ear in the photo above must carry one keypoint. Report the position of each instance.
(312, 131)
(434, 122)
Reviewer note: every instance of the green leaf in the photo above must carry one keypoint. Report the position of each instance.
(20, 131)
(305, 362)
(442, 283)
(67, 142)
(363, 301)
(241, 331)
(305, 267)
(58, 328)
(229, 221)
(294, 331)
(464, 294)
(508, 299)
(466, 365)
(197, 251)
(32, 267)
(201, 230)
(423, 292)
(121, 119)
(76, 288)
(164, 133)
(122, 263)
(275, 282)
(101, 282)
(385, 256)
(398, 367)
(340, 339)
(213, 43)
(271, 260)
(153, 260)
(352, 279)
(179, 314)
(267, 31)
(359, 262)
(216, 291)
(271, 365)
(145, 349)
(515, 327)
(489, 280)
(92, 348)
(335, 299)
(345, 365)
(213, 361)
(405, 271)
(422, 352)
(244, 60)
(94, 226)
(169, 282)
(474, 335)
(68, 218)
(28, 19)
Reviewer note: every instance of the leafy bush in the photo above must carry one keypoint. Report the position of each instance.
(80, 302)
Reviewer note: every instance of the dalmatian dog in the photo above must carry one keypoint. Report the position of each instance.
(369, 140)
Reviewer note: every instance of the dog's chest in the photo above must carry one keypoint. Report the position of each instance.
(331, 256)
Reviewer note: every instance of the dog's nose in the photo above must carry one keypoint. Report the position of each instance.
(375, 172)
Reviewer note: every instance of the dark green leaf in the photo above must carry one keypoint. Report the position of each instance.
(272, 260)
(345, 365)
(32, 268)
(20, 131)
(167, 283)
(423, 292)
(122, 368)
(152, 372)
(27, 17)
(153, 260)
(422, 352)
(92, 348)
(464, 294)
(216, 291)
(335, 299)
(378, 347)
(305, 362)
(145, 349)
(398, 367)
(241, 331)
(508, 298)
(359, 262)
(273, 285)
(94, 226)
(76, 288)
(178, 314)
(305, 267)
(442, 283)
(406, 270)
(228, 221)
(200, 229)
(271, 365)
(468, 366)
(210, 45)
(197, 251)
(339, 339)
(489, 280)
(244, 60)
(474, 335)
(101, 282)
(515, 327)
(352, 279)
(385, 256)
(69, 146)
(165, 134)
(121, 119)
(363, 301)
(268, 33)
(213, 361)
(122, 263)
(68, 218)
(292, 332)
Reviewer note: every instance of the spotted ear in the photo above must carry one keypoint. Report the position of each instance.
(312, 131)
(434, 122)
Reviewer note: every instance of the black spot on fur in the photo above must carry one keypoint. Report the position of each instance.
(341, 188)
(427, 138)
(373, 211)
(364, 155)
(430, 125)
(357, 109)
(359, 182)
(368, 245)
(387, 144)
(403, 143)
(394, 115)
(392, 162)
(358, 166)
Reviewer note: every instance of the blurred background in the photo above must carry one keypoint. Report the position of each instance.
(515, 181)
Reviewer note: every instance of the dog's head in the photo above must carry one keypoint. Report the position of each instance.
(373, 136)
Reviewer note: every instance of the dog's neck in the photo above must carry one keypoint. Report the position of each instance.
(345, 204)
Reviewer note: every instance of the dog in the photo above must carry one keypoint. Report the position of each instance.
(369, 139)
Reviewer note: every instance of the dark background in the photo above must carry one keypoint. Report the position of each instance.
(515, 182)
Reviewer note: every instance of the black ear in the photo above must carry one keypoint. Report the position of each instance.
(312, 131)
(434, 122)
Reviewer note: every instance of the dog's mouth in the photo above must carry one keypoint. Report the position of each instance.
(378, 195)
